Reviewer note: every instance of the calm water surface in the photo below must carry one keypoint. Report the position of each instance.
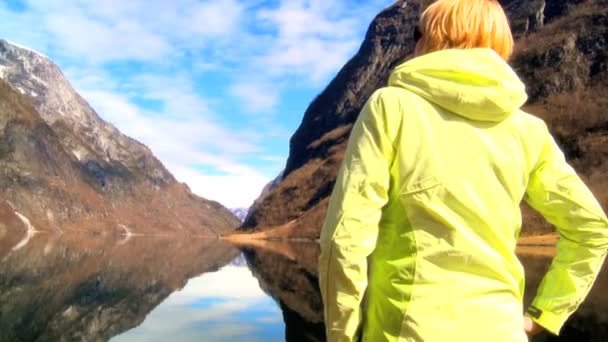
(74, 287)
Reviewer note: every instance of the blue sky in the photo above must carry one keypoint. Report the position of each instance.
(215, 88)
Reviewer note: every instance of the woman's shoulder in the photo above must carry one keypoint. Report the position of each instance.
(529, 121)
(394, 93)
(396, 98)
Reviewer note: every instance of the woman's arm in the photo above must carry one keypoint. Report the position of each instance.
(350, 230)
(565, 201)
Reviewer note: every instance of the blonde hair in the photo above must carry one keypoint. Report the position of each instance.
(466, 24)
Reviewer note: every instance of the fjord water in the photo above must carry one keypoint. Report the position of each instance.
(75, 287)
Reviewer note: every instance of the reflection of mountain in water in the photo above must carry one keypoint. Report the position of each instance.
(74, 287)
(239, 261)
(288, 273)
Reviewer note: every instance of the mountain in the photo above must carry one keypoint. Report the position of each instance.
(64, 168)
(561, 55)
(265, 191)
(240, 213)
(296, 207)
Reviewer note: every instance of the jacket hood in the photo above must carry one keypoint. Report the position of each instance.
(474, 83)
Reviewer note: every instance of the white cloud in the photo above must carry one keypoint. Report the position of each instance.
(134, 30)
(120, 54)
(236, 190)
(98, 41)
(231, 282)
(257, 97)
(312, 40)
(184, 136)
(213, 18)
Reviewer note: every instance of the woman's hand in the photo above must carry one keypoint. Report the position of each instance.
(530, 327)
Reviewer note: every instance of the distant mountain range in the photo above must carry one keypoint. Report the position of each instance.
(240, 213)
(64, 168)
(561, 55)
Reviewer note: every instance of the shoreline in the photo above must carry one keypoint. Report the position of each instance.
(261, 237)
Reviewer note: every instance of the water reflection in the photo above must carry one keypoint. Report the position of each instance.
(288, 273)
(222, 306)
(74, 287)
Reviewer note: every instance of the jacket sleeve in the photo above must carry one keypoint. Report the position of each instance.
(564, 200)
(350, 229)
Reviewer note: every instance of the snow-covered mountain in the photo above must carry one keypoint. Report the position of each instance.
(62, 166)
(34, 75)
(241, 213)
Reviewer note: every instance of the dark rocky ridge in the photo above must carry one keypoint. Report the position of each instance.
(64, 168)
(560, 55)
(317, 146)
(387, 42)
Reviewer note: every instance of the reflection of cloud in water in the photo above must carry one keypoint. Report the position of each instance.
(227, 305)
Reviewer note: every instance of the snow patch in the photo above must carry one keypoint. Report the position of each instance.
(3, 71)
(21, 90)
(39, 80)
(26, 49)
(70, 313)
(11, 205)
(79, 153)
(127, 234)
(240, 213)
(30, 232)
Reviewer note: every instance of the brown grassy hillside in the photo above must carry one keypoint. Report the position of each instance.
(46, 184)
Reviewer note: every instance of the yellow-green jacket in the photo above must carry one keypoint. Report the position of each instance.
(419, 239)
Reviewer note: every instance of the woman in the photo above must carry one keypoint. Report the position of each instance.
(420, 235)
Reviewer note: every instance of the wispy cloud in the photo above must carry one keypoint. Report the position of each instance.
(134, 30)
(202, 83)
(101, 41)
(313, 38)
(257, 97)
(184, 134)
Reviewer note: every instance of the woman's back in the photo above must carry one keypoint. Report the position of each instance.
(419, 239)
(450, 227)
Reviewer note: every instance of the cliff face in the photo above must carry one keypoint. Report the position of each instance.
(317, 147)
(561, 56)
(63, 167)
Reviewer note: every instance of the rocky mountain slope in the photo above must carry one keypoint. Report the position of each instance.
(63, 167)
(561, 56)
